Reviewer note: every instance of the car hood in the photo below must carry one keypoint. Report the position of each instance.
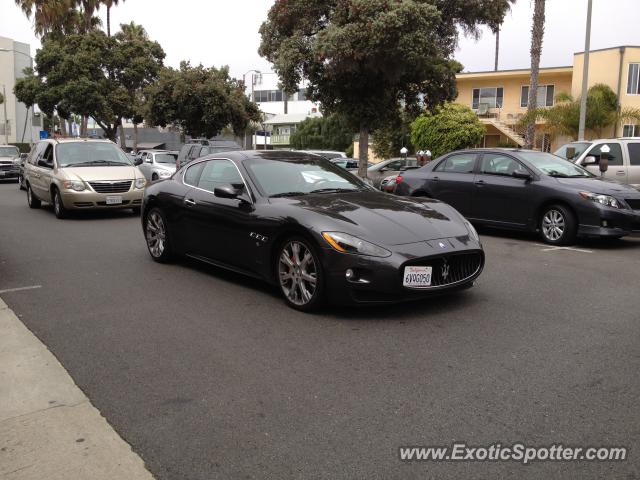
(595, 185)
(90, 174)
(165, 166)
(386, 219)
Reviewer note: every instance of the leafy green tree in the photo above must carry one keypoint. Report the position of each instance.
(324, 133)
(202, 101)
(390, 138)
(363, 58)
(451, 127)
(564, 117)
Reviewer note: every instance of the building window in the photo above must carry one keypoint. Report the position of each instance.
(544, 98)
(492, 96)
(631, 131)
(633, 83)
(302, 94)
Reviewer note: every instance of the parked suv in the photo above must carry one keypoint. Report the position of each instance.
(82, 174)
(191, 151)
(156, 164)
(9, 161)
(624, 158)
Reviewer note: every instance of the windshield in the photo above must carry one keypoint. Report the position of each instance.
(554, 166)
(166, 158)
(9, 152)
(88, 154)
(301, 176)
(578, 147)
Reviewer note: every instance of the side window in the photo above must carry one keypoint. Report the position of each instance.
(217, 173)
(459, 163)
(634, 154)
(615, 153)
(195, 152)
(397, 165)
(37, 153)
(497, 164)
(47, 156)
(192, 174)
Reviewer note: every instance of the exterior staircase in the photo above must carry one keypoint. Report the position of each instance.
(505, 129)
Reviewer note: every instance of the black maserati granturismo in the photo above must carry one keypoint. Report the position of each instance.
(311, 228)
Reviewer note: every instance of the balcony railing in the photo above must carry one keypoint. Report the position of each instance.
(280, 139)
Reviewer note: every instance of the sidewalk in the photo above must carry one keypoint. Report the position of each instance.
(48, 427)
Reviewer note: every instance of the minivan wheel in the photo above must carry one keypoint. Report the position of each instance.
(20, 182)
(32, 200)
(558, 225)
(300, 274)
(58, 206)
(156, 235)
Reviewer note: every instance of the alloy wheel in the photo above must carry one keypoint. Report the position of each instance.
(298, 273)
(56, 203)
(156, 234)
(553, 225)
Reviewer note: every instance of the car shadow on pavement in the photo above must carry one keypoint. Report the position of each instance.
(83, 215)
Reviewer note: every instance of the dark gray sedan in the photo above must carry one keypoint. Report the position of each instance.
(527, 190)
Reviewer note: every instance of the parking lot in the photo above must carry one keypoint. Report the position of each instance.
(208, 374)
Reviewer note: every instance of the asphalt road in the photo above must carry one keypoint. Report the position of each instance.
(209, 375)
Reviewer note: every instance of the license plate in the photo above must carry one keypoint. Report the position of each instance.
(1, 173)
(417, 277)
(114, 200)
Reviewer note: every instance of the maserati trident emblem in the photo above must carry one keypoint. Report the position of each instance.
(445, 269)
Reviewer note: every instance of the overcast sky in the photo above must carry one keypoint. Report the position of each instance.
(225, 32)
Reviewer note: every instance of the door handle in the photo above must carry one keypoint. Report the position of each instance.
(479, 182)
(621, 172)
(189, 202)
(435, 179)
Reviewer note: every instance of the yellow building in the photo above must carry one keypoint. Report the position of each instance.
(500, 97)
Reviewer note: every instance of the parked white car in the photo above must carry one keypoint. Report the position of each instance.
(156, 164)
(624, 157)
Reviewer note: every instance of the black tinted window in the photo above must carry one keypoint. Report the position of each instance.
(192, 174)
(634, 154)
(615, 153)
(497, 164)
(217, 173)
(459, 163)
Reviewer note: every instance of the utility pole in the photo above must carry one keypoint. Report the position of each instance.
(585, 76)
(4, 105)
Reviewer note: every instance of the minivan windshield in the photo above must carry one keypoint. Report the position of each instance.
(578, 147)
(554, 166)
(9, 152)
(90, 154)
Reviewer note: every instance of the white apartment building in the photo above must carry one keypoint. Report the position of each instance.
(17, 125)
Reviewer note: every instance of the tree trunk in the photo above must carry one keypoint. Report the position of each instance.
(123, 143)
(26, 117)
(135, 137)
(69, 127)
(108, 21)
(537, 32)
(497, 48)
(363, 147)
(84, 124)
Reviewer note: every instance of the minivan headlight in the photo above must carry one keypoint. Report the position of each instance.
(76, 185)
(140, 182)
(602, 199)
(345, 243)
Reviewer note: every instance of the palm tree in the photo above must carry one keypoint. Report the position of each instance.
(48, 15)
(537, 32)
(109, 4)
(497, 47)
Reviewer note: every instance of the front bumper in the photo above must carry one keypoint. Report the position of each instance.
(601, 221)
(9, 173)
(88, 199)
(379, 280)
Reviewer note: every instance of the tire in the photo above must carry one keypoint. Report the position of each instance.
(21, 182)
(32, 200)
(136, 210)
(558, 225)
(157, 236)
(299, 274)
(58, 206)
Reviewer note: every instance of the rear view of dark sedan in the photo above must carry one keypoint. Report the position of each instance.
(310, 228)
(527, 190)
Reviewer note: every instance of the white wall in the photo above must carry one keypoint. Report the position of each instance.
(269, 81)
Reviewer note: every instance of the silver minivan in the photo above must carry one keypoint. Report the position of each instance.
(624, 157)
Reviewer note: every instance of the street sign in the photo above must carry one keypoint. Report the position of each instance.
(44, 134)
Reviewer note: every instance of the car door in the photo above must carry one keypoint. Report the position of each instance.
(451, 181)
(633, 170)
(219, 228)
(617, 170)
(40, 177)
(498, 196)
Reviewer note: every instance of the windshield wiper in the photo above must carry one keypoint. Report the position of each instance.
(287, 194)
(96, 162)
(553, 173)
(334, 190)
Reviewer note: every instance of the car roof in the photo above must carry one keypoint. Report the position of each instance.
(241, 155)
(78, 140)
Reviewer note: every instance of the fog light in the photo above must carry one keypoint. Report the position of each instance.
(349, 274)
(605, 224)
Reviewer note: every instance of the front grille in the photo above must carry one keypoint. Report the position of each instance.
(83, 204)
(460, 267)
(111, 187)
(634, 203)
(7, 167)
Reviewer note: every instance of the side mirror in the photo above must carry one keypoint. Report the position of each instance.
(589, 160)
(137, 162)
(522, 174)
(226, 191)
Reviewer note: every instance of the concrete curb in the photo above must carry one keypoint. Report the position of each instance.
(48, 427)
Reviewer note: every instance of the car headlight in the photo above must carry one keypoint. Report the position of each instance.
(345, 243)
(76, 185)
(140, 182)
(164, 173)
(605, 200)
(472, 231)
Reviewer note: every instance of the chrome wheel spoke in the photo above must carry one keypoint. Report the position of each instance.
(155, 234)
(297, 273)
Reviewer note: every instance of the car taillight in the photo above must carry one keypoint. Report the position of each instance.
(398, 179)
